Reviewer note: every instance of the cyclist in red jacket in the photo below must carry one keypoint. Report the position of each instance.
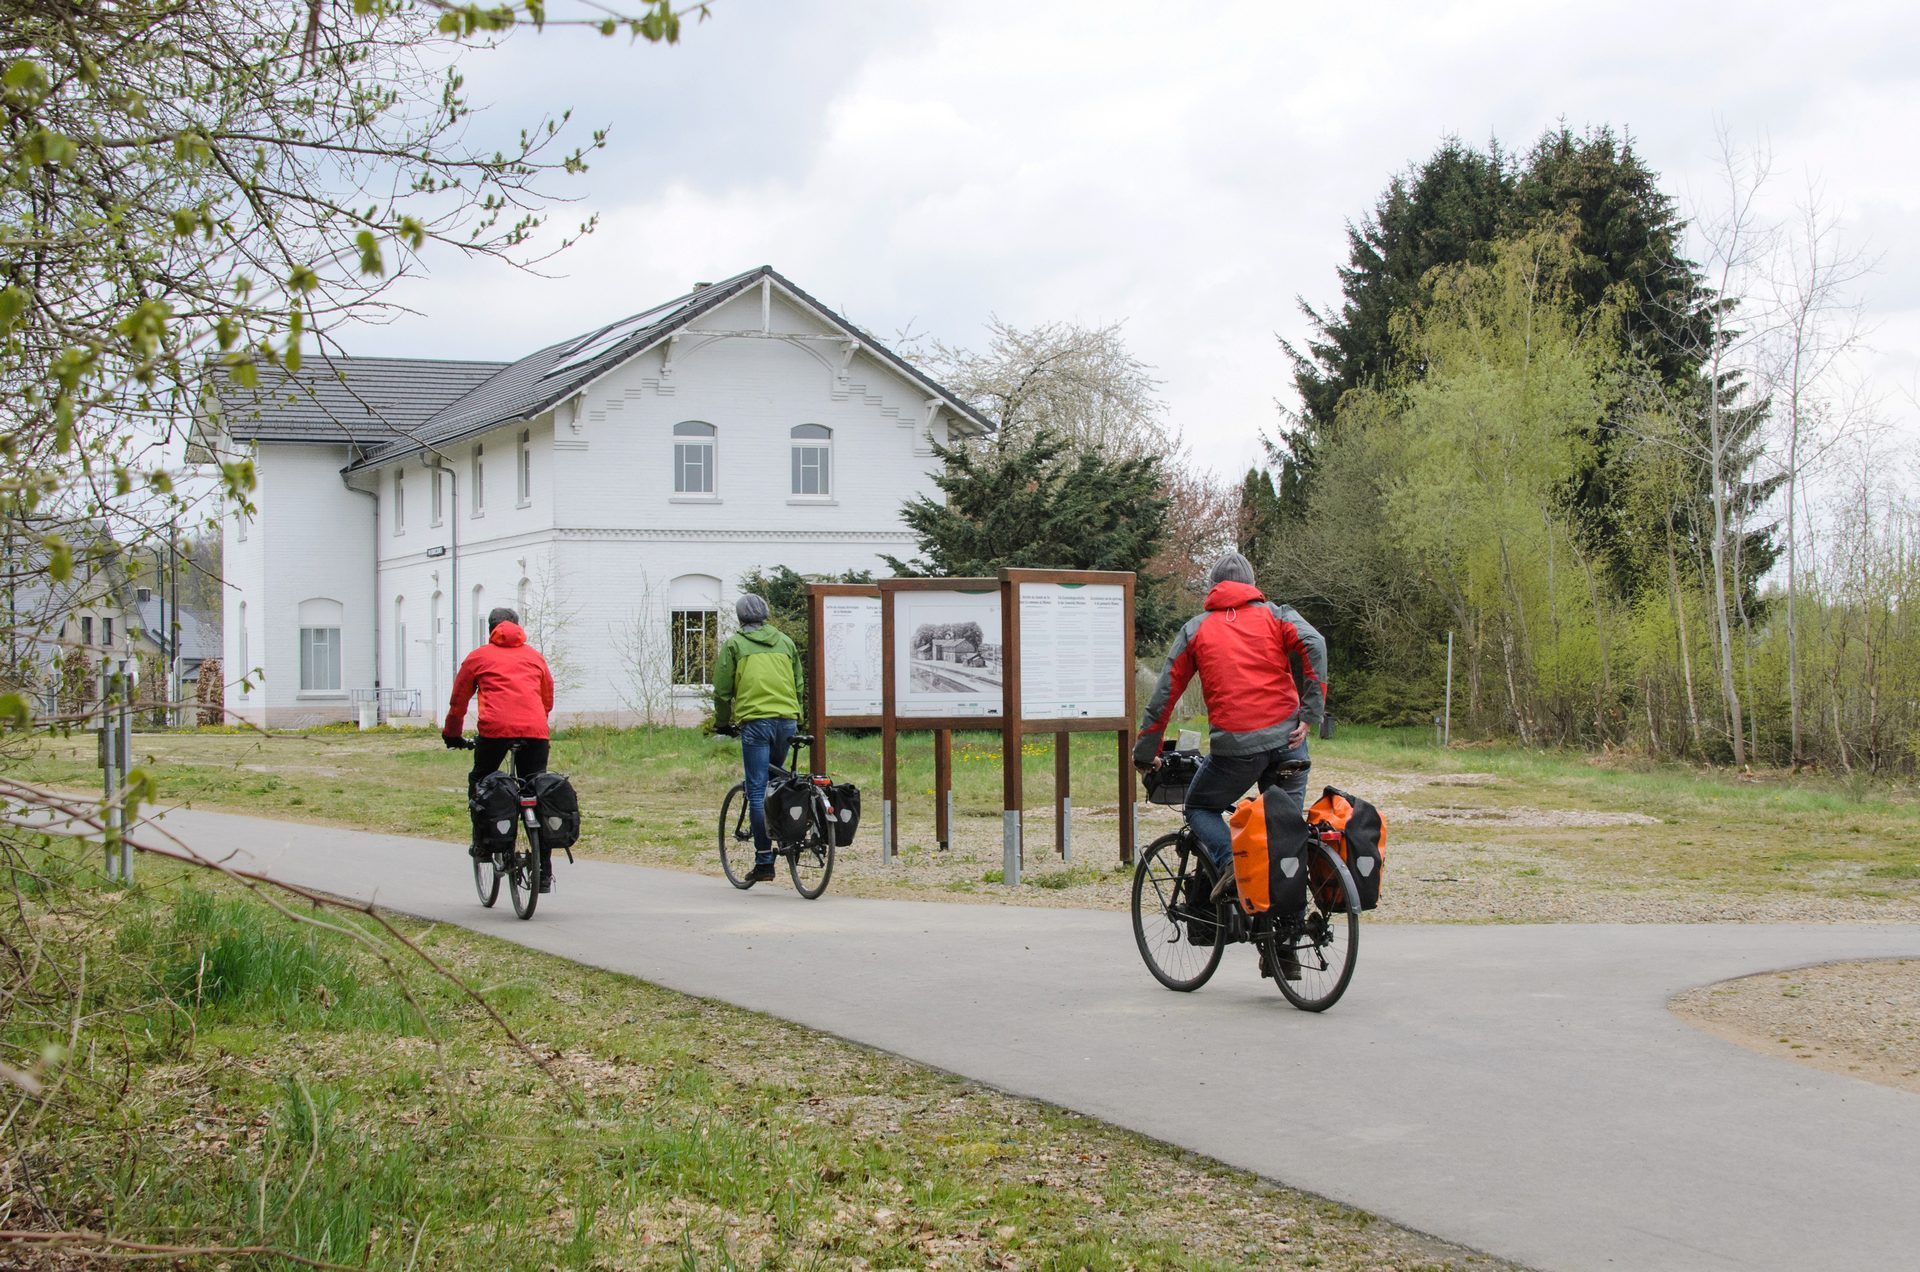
(1263, 669)
(516, 693)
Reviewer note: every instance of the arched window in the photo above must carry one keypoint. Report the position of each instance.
(693, 627)
(812, 461)
(693, 443)
(320, 621)
(522, 593)
(480, 632)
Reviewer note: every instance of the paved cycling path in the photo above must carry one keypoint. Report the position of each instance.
(1522, 1090)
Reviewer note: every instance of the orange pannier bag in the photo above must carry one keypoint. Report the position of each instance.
(1362, 844)
(1269, 853)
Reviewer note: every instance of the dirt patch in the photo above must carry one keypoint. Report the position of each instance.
(1860, 1019)
(1530, 818)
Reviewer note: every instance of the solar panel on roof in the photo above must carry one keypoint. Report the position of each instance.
(612, 334)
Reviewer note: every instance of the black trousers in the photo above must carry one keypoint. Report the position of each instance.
(490, 753)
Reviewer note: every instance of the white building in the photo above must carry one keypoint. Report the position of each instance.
(613, 488)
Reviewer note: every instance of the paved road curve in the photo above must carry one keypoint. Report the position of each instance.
(1522, 1090)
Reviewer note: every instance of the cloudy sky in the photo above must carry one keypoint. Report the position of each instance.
(1185, 168)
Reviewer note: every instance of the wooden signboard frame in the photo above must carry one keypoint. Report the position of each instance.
(817, 594)
(893, 724)
(1017, 724)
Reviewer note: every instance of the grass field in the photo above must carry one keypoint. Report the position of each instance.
(229, 1076)
(1477, 834)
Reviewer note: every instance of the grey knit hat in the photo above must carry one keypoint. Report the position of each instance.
(1230, 567)
(751, 610)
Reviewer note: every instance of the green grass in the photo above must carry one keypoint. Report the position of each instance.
(652, 796)
(241, 1077)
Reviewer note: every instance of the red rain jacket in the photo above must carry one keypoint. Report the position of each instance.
(1261, 667)
(515, 688)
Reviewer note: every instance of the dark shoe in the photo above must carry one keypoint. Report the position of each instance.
(478, 853)
(1223, 888)
(1289, 964)
(546, 876)
(762, 874)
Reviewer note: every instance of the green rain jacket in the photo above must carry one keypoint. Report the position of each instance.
(758, 678)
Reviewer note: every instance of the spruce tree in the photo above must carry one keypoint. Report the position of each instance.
(1030, 502)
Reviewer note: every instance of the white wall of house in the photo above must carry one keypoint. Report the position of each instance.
(306, 564)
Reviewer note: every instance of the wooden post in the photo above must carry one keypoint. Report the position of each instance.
(1127, 785)
(889, 740)
(943, 787)
(1013, 779)
(816, 704)
(1063, 795)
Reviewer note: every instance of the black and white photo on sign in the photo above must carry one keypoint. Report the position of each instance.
(1073, 651)
(947, 653)
(851, 627)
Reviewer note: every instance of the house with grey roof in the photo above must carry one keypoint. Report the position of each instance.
(612, 488)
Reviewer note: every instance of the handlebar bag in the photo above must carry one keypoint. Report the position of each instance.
(1362, 844)
(494, 808)
(1168, 783)
(844, 800)
(558, 809)
(1269, 853)
(788, 806)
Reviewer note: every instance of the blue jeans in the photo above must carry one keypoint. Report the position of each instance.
(760, 742)
(1220, 783)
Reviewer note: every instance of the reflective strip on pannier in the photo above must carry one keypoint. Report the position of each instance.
(558, 808)
(494, 808)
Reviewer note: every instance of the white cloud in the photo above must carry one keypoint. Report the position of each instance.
(1187, 168)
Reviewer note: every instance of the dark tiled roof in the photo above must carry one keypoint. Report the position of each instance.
(367, 401)
(395, 406)
(525, 388)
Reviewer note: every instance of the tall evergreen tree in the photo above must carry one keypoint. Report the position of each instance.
(1031, 502)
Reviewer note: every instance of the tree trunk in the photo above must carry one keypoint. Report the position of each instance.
(1600, 634)
(1686, 653)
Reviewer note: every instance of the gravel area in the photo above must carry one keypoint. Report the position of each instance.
(1860, 1019)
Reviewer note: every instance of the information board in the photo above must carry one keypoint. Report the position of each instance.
(850, 655)
(947, 654)
(1073, 651)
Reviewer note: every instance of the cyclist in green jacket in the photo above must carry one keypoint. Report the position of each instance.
(756, 698)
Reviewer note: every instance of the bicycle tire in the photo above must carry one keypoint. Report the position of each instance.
(1161, 912)
(811, 862)
(486, 881)
(736, 829)
(1329, 946)
(523, 877)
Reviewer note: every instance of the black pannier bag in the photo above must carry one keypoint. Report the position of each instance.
(1168, 783)
(1287, 839)
(844, 799)
(558, 808)
(789, 807)
(494, 807)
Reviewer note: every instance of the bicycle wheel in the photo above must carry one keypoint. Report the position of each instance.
(811, 865)
(1162, 919)
(1326, 937)
(736, 837)
(523, 877)
(486, 881)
